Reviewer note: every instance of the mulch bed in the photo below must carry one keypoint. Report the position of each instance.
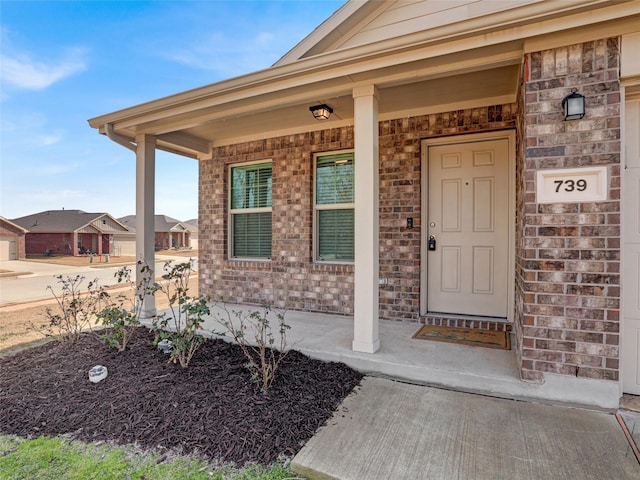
(210, 408)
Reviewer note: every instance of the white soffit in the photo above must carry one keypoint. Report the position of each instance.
(474, 89)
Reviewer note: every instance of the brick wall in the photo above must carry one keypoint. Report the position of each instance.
(59, 243)
(568, 253)
(291, 279)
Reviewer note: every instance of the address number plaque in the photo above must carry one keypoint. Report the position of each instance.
(571, 185)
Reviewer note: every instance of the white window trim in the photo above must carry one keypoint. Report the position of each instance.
(333, 206)
(236, 211)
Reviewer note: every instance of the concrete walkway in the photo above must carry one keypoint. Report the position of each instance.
(391, 430)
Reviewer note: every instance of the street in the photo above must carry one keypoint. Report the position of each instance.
(32, 285)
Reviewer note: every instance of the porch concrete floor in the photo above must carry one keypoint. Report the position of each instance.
(392, 430)
(464, 368)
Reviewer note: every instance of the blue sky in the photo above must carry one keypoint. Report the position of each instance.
(63, 62)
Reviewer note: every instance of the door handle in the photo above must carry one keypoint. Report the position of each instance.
(431, 244)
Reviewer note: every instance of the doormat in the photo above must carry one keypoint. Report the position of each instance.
(465, 336)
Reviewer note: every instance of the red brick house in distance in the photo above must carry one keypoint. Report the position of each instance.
(437, 179)
(69, 232)
(169, 232)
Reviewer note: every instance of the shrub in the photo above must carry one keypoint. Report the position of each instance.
(122, 312)
(182, 325)
(75, 310)
(263, 359)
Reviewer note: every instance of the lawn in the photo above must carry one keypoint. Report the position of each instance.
(47, 458)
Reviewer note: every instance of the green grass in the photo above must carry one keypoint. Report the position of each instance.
(59, 458)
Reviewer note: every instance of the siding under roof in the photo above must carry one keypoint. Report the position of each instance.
(162, 223)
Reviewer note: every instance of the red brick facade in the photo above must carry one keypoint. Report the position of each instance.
(568, 258)
(57, 243)
(67, 243)
(167, 240)
(567, 255)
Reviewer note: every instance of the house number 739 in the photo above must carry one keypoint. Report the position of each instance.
(579, 185)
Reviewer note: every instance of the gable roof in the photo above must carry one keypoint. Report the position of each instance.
(343, 20)
(69, 221)
(9, 225)
(421, 60)
(162, 223)
(358, 23)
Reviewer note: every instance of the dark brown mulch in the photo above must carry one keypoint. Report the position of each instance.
(210, 408)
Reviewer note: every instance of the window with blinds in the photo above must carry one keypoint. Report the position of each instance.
(250, 211)
(334, 207)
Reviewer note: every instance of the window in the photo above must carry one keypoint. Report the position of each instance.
(250, 211)
(334, 207)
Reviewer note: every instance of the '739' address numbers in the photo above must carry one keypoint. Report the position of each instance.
(570, 185)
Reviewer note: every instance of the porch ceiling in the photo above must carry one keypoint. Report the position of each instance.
(276, 101)
(428, 96)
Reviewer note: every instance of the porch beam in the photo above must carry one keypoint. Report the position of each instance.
(185, 140)
(145, 211)
(366, 301)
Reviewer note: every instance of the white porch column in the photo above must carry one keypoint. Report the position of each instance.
(366, 301)
(145, 211)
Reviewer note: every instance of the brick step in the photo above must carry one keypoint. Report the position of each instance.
(478, 323)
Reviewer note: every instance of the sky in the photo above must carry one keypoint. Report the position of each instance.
(63, 62)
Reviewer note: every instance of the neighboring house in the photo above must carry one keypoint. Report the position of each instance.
(12, 240)
(438, 179)
(69, 232)
(168, 232)
(193, 223)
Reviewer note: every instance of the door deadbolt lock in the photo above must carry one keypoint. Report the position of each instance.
(431, 244)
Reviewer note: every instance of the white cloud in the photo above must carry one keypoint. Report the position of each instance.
(21, 71)
(56, 197)
(265, 38)
(57, 168)
(227, 55)
(26, 131)
(46, 140)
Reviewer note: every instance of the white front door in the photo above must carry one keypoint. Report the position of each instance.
(468, 219)
(631, 252)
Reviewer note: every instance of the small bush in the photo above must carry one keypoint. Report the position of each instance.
(122, 312)
(182, 325)
(76, 310)
(263, 359)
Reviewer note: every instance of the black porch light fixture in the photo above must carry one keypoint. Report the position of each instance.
(573, 106)
(321, 112)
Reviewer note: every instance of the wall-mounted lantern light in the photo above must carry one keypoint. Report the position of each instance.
(573, 105)
(321, 112)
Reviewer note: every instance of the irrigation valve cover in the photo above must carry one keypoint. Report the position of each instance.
(165, 346)
(97, 373)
